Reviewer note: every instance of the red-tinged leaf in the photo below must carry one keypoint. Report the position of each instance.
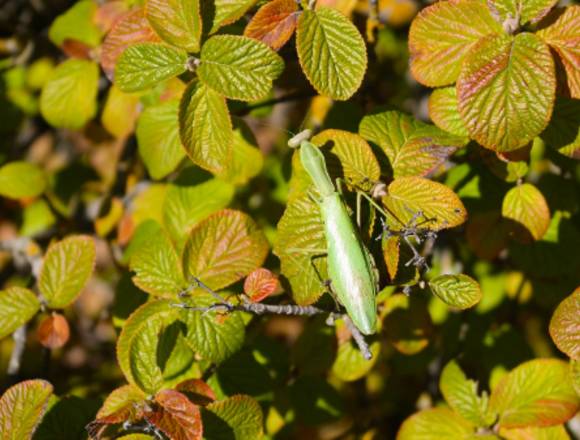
(524, 11)
(130, 29)
(565, 325)
(53, 331)
(260, 284)
(274, 23)
(487, 234)
(563, 36)
(391, 252)
(506, 90)
(22, 408)
(108, 13)
(557, 432)
(76, 49)
(527, 208)
(442, 34)
(177, 417)
(197, 391)
(444, 112)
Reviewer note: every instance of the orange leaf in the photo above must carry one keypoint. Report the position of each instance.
(108, 13)
(177, 417)
(274, 23)
(197, 391)
(260, 284)
(53, 331)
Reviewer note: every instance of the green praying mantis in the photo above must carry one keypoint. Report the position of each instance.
(350, 266)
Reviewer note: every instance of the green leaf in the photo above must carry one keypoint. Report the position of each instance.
(19, 180)
(413, 148)
(126, 397)
(525, 205)
(536, 393)
(224, 248)
(66, 269)
(325, 37)
(557, 432)
(563, 131)
(350, 365)
(239, 67)
(299, 241)
(444, 111)
(237, 418)
(435, 424)
(178, 22)
(523, 11)
(186, 205)
(36, 218)
(227, 12)
(407, 323)
(77, 23)
(158, 138)
(439, 205)
(565, 325)
(247, 160)
(17, 306)
(22, 408)
(575, 373)
(461, 395)
(506, 90)
(120, 112)
(68, 99)
(315, 401)
(66, 418)
(458, 291)
(441, 36)
(143, 65)
(157, 267)
(213, 336)
(205, 127)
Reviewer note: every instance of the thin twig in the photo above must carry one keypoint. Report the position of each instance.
(19, 337)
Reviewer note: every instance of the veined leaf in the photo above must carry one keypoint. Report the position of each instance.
(563, 131)
(17, 306)
(439, 205)
(228, 11)
(178, 22)
(68, 99)
(76, 24)
(325, 37)
(350, 365)
(128, 30)
(177, 417)
(565, 325)
(238, 417)
(145, 64)
(523, 11)
(122, 400)
(247, 160)
(158, 138)
(260, 284)
(536, 393)
(563, 35)
(22, 408)
(506, 90)
(53, 331)
(459, 291)
(461, 394)
(197, 391)
(239, 67)
(525, 205)
(224, 248)
(557, 432)
(442, 34)
(435, 424)
(444, 111)
(205, 127)
(66, 269)
(391, 252)
(274, 23)
(19, 180)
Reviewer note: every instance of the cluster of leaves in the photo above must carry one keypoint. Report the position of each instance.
(149, 154)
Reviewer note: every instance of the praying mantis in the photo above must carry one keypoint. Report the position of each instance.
(352, 276)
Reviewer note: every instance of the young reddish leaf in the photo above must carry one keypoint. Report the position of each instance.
(563, 131)
(563, 35)
(260, 284)
(239, 416)
(205, 127)
(66, 269)
(458, 291)
(224, 248)
(435, 423)
(227, 12)
(17, 306)
(53, 331)
(487, 234)
(442, 34)
(144, 65)
(391, 252)
(506, 90)
(69, 98)
(22, 408)
(274, 23)
(177, 417)
(536, 393)
(327, 37)
(239, 67)
(407, 323)
(523, 10)
(120, 112)
(108, 13)
(565, 325)
(130, 29)
(178, 22)
(197, 391)
(444, 111)
(557, 432)
(527, 207)
(439, 205)
(19, 180)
